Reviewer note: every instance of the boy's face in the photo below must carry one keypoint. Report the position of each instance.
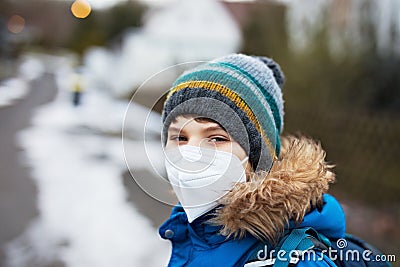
(201, 132)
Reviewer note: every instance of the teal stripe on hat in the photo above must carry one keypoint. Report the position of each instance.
(237, 75)
(262, 72)
(270, 99)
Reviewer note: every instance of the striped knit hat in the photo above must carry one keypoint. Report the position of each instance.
(243, 94)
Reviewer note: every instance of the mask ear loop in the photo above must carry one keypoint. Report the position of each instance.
(245, 171)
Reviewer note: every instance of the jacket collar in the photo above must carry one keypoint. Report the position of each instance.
(328, 220)
(200, 231)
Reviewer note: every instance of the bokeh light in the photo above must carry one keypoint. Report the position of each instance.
(81, 9)
(16, 24)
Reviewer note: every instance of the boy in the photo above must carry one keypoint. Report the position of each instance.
(240, 186)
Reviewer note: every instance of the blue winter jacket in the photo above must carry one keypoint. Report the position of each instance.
(199, 244)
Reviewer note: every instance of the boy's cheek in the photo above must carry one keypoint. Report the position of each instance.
(167, 145)
(170, 144)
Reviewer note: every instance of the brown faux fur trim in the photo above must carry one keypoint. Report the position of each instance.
(265, 204)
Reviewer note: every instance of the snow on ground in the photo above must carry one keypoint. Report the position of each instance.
(16, 88)
(84, 218)
(11, 90)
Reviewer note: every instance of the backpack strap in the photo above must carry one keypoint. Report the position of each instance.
(293, 245)
(298, 241)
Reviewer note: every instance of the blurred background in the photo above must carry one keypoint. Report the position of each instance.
(69, 68)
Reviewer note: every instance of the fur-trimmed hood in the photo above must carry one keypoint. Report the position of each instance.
(266, 204)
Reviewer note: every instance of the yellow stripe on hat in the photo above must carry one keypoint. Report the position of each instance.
(234, 97)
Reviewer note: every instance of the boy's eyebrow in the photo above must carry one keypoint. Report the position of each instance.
(174, 129)
(207, 129)
(213, 128)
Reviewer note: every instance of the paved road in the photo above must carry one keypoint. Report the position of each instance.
(153, 209)
(17, 189)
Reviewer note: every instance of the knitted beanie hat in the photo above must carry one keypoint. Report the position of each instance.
(243, 94)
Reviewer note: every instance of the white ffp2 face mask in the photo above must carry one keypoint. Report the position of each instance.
(201, 176)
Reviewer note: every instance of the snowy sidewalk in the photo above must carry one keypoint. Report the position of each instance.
(84, 217)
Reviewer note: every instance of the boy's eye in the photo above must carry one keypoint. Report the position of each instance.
(178, 138)
(219, 139)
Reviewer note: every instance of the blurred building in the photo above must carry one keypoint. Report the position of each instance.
(181, 32)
